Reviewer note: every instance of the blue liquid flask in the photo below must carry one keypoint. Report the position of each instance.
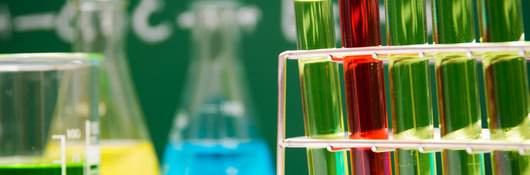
(213, 132)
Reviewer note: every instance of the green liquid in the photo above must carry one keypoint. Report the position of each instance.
(501, 20)
(411, 112)
(322, 107)
(40, 169)
(459, 104)
(406, 22)
(453, 21)
(508, 106)
(314, 24)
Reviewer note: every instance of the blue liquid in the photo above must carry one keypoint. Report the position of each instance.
(212, 157)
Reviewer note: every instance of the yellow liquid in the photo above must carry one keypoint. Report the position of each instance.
(128, 158)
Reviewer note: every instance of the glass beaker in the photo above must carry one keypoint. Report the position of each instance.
(213, 133)
(48, 114)
(126, 148)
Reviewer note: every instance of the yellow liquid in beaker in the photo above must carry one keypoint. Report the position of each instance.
(128, 158)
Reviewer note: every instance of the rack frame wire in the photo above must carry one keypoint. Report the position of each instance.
(474, 146)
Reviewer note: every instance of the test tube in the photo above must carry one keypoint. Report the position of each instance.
(412, 115)
(320, 85)
(365, 97)
(315, 27)
(508, 107)
(501, 20)
(322, 104)
(457, 85)
(411, 106)
(453, 21)
(406, 22)
(506, 83)
(359, 21)
(460, 117)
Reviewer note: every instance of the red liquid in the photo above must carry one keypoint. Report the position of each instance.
(367, 117)
(359, 22)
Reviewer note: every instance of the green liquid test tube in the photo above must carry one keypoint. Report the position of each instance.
(460, 117)
(508, 107)
(501, 20)
(453, 21)
(406, 22)
(322, 106)
(412, 116)
(457, 85)
(320, 86)
(315, 27)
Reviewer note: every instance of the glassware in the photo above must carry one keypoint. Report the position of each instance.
(501, 20)
(410, 89)
(450, 13)
(213, 132)
(125, 145)
(459, 104)
(367, 117)
(456, 74)
(48, 114)
(508, 100)
(359, 21)
(412, 114)
(323, 112)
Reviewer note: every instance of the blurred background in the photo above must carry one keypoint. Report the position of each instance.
(158, 51)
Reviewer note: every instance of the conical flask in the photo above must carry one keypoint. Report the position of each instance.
(125, 145)
(213, 132)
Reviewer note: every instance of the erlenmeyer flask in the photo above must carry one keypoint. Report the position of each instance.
(125, 145)
(213, 133)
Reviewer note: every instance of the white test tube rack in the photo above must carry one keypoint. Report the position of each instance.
(473, 146)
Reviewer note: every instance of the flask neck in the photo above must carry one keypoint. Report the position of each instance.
(100, 26)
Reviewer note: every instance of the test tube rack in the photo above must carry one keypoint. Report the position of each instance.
(434, 145)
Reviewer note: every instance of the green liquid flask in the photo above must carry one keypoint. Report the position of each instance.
(507, 95)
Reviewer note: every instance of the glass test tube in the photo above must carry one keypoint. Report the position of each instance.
(315, 27)
(501, 20)
(320, 85)
(406, 22)
(322, 104)
(411, 106)
(412, 115)
(453, 89)
(365, 96)
(508, 107)
(460, 117)
(453, 21)
(359, 21)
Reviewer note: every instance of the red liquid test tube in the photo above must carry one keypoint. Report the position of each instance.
(359, 22)
(367, 116)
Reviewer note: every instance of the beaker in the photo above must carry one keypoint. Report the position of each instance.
(126, 148)
(48, 114)
(213, 133)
